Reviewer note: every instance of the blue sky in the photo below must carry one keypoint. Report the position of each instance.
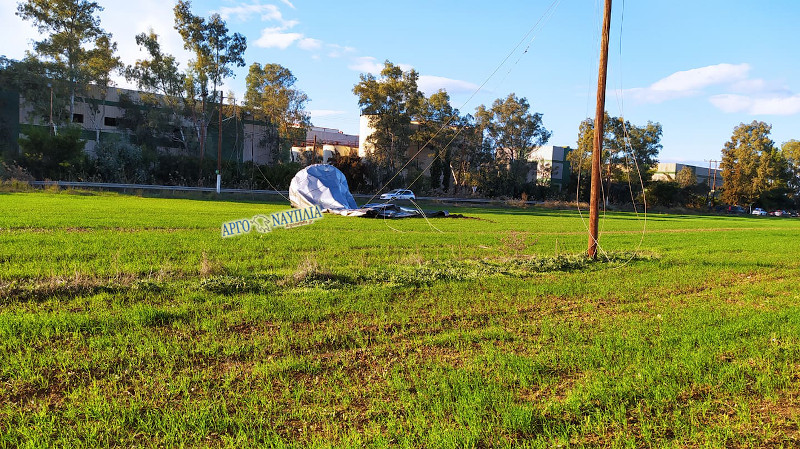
(698, 67)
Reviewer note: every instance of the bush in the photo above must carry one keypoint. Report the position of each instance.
(48, 156)
(120, 161)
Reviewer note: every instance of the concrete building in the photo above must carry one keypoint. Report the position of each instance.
(551, 165)
(243, 138)
(323, 143)
(668, 171)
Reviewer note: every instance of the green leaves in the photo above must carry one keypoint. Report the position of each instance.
(625, 147)
(214, 49)
(511, 129)
(392, 102)
(752, 168)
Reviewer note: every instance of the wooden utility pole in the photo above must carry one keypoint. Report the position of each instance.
(594, 197)
(716, 168)
(219, 146)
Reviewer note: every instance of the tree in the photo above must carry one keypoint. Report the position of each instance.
(215, 53)
(752, 168)
(162, 81)
(52, 156)
(791, 153)
(160, 73)
(272, 96)
(30, 78)
(468, 153)
(71, 28)
(101, 62)
(629, 151)
(390, 102)
(510, 129)
(439, 128)
(686, 177)
(353, 168)
(626, 147)
(512, 132)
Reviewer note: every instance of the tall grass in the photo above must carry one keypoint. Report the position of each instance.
(129, 321)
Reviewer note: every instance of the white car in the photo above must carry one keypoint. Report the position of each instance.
(398, 194)
(759, 211)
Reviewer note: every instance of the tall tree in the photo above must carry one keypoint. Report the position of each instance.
(272, 96)
(438, 130)
(160, 74)
(752, 167)
(791, 153)
(468, 153)
(512, 132)
(511, 129)
(216, 52)
(160, 78)
(390, 101)
(626, 147)
(71, 28)
(686, 177)
(101, 63)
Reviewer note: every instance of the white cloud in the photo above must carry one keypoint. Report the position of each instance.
(731, 103)
(266, 13)
(431, 84)
(276, 38)
(737, 92)
(366, 64)
(308, 43)
(766, 105)
(696, 79)
(689, 83)
(336, 51)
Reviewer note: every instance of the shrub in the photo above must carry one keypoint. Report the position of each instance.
(48, 156)
(120, 161)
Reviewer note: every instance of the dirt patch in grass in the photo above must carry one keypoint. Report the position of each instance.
(29, 396)
(41, 289)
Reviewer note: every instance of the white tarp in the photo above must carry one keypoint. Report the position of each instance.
(321, 185)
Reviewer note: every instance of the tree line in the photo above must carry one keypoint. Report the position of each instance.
(757, 173)
(75, 61)
(420, 141)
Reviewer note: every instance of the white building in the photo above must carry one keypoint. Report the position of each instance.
(668, 171)
(324, 143)
(551, 165)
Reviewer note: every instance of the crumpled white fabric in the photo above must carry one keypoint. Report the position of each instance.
(321, 185)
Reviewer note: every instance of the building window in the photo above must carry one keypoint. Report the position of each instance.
(77, 118)
(110, 121)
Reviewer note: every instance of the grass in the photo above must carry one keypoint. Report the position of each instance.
(129, 321)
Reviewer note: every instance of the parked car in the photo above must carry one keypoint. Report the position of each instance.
(759, 211)
(736, 210)
(398, 194)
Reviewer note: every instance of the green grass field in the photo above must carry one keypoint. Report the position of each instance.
(128, 321)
